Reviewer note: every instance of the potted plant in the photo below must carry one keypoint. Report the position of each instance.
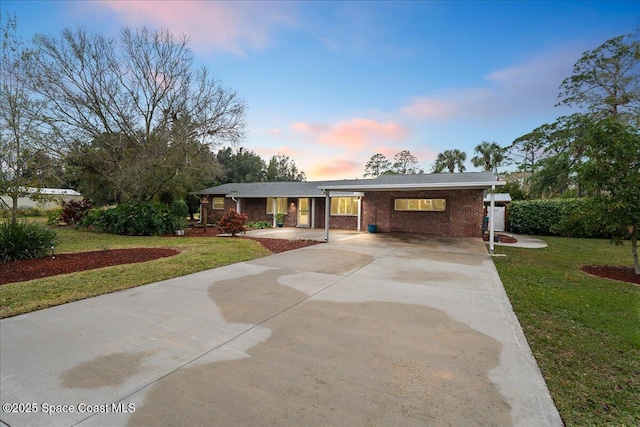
(280, 219)
(179, 211)
(372, 227)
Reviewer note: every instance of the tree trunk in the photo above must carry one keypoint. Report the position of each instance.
(14, 209)
(634, 248)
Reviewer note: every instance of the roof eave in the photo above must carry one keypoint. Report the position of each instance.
(420, 186)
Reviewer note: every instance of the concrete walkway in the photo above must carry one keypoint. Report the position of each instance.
(366, 330)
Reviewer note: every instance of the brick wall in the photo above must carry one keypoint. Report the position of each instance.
(462, 218)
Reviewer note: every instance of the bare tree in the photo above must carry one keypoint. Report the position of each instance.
(155, 115)
(22, 138)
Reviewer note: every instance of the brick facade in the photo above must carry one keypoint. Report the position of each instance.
(462, 217)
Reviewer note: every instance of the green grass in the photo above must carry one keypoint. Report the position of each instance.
(197, 254)
(583, 330)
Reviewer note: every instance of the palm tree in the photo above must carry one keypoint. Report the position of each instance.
(449, 160)
(490, 156)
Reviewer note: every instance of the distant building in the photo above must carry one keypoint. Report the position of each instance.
(44, 198)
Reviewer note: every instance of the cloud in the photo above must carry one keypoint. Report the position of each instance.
(234, 27)
(516, 91)
(352, 134)
(335, 168)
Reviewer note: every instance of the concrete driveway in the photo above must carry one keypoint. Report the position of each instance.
(366, 330)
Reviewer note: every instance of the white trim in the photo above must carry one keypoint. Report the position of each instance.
(421, 186)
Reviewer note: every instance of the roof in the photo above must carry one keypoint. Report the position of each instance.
(432, 181)
(53, 191)
(498, 197)
(436, 181)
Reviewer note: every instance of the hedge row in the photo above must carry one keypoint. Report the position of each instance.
(553, 217)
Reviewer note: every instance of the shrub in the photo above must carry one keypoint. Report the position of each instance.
(534, 216)
(554, 217)
(53, 217)
(74, 210)
(24, 240)
(144, 219)
(259, 225)
(232, 222)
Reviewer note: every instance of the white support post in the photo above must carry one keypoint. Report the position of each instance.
(359, 213)
(491, 214)
(275, 209)
(327, 213)
(313, 212)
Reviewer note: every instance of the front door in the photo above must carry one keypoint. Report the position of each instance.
(304, 218)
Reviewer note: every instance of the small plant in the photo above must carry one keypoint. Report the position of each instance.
(53, 217)
(280, 219)
(24, 240)
(259, 225)
(233, 223)
(74, 210)
(179, 212)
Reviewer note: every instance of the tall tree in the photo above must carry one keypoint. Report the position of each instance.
(376, 166)
(606, 80)
(24, 160)
(489, 156)
(613, 166)
(405, 163)
(240, 166)
(155, 116)
(282, 168)
(449, 160)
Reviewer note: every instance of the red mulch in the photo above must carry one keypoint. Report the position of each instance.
(625, 274)
(29, 269)
(502, 238)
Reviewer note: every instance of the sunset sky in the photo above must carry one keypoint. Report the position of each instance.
(332, 83)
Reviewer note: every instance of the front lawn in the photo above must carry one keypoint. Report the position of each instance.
(197, 254)
(583, 330)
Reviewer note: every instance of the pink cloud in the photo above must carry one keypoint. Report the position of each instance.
(517, 91)
(429, 108)
(335, 169)
(351, 134)
(211, 25)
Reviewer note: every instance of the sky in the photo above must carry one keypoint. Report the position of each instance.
(330, 83)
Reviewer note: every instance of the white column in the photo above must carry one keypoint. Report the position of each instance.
(491, 213)
(275, 208)
(359, 213)
(327, 213)
(313, 212)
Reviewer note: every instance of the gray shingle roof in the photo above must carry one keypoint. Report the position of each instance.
(384, 182)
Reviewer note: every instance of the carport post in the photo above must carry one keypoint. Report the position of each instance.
(491, 206)
(275, 208)
(327, 212)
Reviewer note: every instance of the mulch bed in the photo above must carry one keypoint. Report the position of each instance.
(625, 274)
(30, 269)
(502, 238)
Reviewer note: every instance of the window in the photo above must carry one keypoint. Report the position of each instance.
(432, 205)
(218, 203)
(281, 205)
(344, 206)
